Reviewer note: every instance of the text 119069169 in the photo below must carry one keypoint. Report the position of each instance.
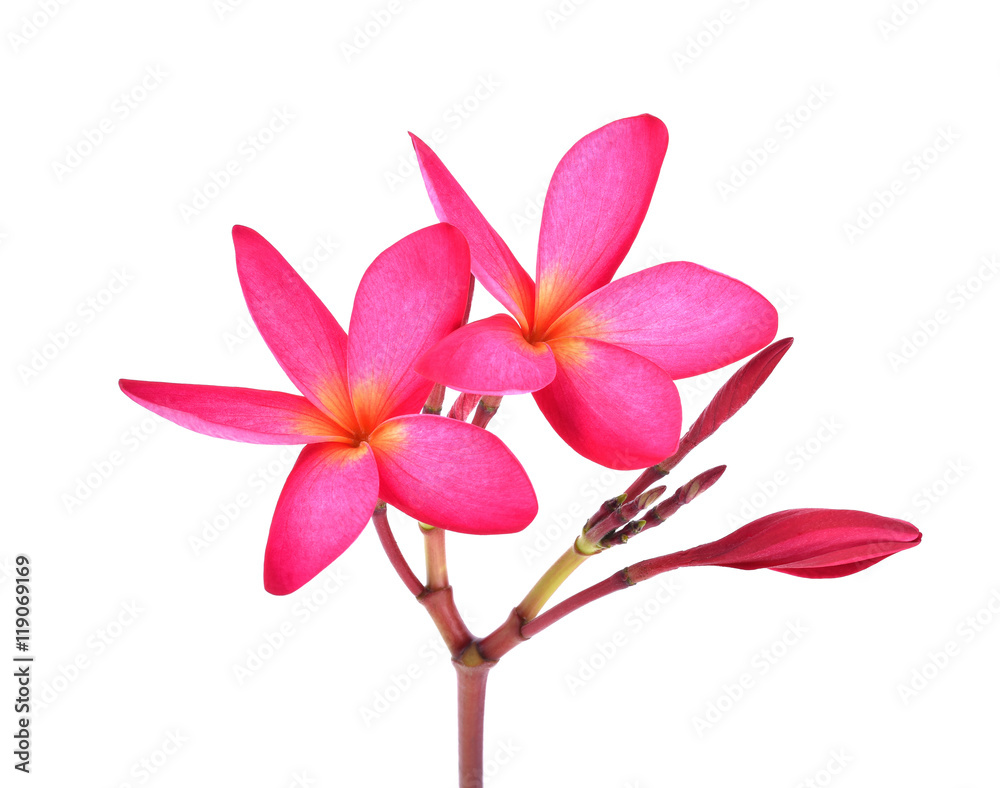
(22, 663)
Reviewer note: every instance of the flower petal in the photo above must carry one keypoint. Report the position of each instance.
(492, 262)
(610, 405)
(453, 475)
(686, 318)
(411, 297)
(238, 414)
(325, 504)
(309, 345)
(489, 356)
(594, 206)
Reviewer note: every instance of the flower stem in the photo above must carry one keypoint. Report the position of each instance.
(549, 583)
(434, 553)
(618, 581)
(439, 602)
(646, 478)
(440, 605)
(381, 519)
(487, 410)
(434, 401)
(471, 708)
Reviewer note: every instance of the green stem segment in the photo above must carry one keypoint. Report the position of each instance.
(434, 553)
(549, 583)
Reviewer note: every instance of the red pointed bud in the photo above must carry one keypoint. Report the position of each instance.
(733, 395)
(463, 406)
(686, 493)
(648, 498)
(814, 543)
(682, 495)
(603, 511)
(620, 514)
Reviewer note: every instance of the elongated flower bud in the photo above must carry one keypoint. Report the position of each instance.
(805, 542)
(682, 496)
(593, 533)
(463, 406)
(685, 494)
(733, 395)
(814, 543)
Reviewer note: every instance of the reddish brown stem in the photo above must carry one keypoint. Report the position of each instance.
(381, 519)
(629, 576)
(604, 510)
(503, 638)
(434, 401)
(471, 709)
(616, 582)
(646, 478)
(439, 602)
(440, 605)
(487, 410)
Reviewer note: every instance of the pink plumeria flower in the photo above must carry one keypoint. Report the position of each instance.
(599, 356)
(357, 412)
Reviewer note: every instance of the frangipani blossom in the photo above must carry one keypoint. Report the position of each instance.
(358, 409)
(599, 356)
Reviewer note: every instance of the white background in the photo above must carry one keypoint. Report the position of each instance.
(510, 87)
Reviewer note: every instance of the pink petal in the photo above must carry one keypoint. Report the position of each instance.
(610, 405)
(307, 342)
(492, 262)
(453, 475)
(247, 415)
(489, 356)
(686, 318)
(411, 297)
(326, 502)
(594, 206)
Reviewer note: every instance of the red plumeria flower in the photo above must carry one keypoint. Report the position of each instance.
(599, 356)
(357, 412)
